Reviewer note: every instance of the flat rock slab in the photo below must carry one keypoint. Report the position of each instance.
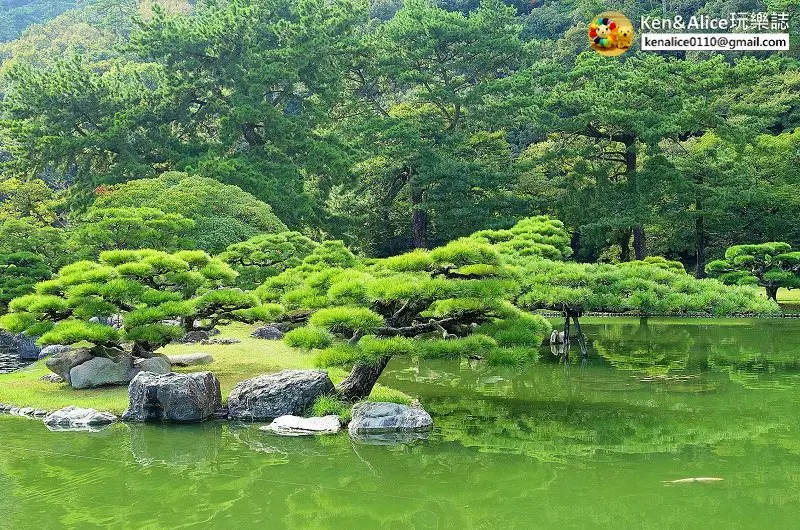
(190, 359)
(53, 349)
(379, 417)
(298, 426)
(174, 398)
(78, 419)
(289, 392)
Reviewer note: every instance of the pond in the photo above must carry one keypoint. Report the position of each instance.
(582, 445)
(9, 360)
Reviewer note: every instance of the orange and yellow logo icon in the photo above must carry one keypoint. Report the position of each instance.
(611, 33)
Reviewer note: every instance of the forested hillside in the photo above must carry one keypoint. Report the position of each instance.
(390, 126)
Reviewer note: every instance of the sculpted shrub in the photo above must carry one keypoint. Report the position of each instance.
(159, 296)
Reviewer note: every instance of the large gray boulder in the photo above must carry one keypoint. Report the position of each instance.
(53, 349)
(267, 333)
(75, 418)
(175, 398)
(102, 371)
(157, 364)
(297, 426)
(190, 359)
(379, 417)
(289, 392)
(62, 363)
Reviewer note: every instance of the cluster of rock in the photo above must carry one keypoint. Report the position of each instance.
(156, 394)
(83, 368)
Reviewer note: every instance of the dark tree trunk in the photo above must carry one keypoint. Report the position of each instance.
(361, 380)
(250, 132)
(700, 246)
(624, 245)
(419, 219)
(639, 239)
(772, 292)
(699, 230)
(639, 242)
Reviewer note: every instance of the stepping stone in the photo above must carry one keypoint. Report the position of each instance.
(191, 359)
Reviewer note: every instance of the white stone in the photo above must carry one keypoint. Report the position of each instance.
(297, 426)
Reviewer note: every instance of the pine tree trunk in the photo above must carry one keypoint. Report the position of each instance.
(700, 246)
(419, 219)
(624, 246)
(639, 242)
(361, 380)
(772, 292)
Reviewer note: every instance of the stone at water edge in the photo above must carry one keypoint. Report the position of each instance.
(62, 363)
(298, 426)
(27, 348)
(175, 398)
(190, 359)
(289, 392)
(102, 371)
(267, 333)
(378, 417)
(71, 418)
(53, 349)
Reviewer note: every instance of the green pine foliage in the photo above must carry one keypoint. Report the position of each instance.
(635, 287)
(158, 295)
(102, 229)
(309, 338)
(533, 236)
(222, 214)
(19, 272)
(267, 255)
(769, 265)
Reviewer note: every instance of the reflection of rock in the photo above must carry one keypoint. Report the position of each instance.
(63, 362)
(289, 392)
(297, 426)
(267, 333)
(78, 419)
(102, 371)
(178, 398)
(176, 446)
(191, 359)
(389, 438)
(378, 418)
(53, 349)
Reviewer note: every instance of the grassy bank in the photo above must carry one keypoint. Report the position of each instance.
(232, 363)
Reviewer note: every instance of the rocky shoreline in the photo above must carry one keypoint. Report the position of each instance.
(279, 399)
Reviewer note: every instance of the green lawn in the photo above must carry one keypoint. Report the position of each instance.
(232, 364)
(788, 299)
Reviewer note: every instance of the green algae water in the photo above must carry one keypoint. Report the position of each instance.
(583, 444)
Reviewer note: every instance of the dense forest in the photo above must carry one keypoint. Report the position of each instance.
(390, 126)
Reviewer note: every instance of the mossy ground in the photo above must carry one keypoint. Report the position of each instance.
(232, 363)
